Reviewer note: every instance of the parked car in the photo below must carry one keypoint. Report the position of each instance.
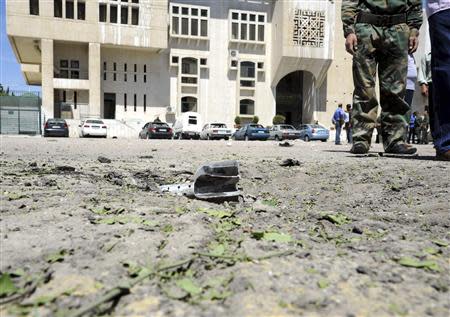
(310, 132)
(156, 130)
(56, 127)
(188, 126)
(284, 131)
(252, 131)
(93, 127)
(216, 130)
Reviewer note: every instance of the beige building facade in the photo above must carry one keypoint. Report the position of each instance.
(142, 59)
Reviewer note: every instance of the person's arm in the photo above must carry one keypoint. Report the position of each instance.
(422, 76)
(349, 10)
(414, 21)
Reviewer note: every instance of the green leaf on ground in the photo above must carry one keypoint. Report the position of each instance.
(432, 251)
(58, 256)
(167, 228)
(440, 243)
(217, 249)
(189, 286)
(218, 213)
(15, 196)
(428, 265)
(336, 218)
(272, 202)
(323, 283)
(272, 236)
(7, 286)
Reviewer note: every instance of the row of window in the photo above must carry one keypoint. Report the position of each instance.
(70, 9)
(246, 106)
(125, 70)
(69, 69)
(109, 12)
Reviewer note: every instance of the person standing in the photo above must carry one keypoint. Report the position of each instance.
(338, 121)
(423, 134)
(411, 79)
(418, 127)
(412, 127)
(348, 123)
(380, 34)
(438, 12)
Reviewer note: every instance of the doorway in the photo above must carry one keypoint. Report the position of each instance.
(289, 98)
(109, 106)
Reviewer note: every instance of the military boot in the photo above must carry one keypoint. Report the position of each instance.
(359, 148)
(401, 148)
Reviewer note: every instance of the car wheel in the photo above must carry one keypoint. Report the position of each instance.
(246, 138)
(277, 138)
(324, 140)
(306, 138)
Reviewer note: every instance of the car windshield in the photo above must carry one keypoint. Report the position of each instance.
(218, 125)
(56, 121)
(256, 126)
(316, 126)
(160, 124)
(287, 127)
(94, 121)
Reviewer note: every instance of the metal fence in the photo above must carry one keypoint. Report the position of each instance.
(20, 113)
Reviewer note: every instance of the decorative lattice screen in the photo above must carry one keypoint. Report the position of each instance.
(309, 28)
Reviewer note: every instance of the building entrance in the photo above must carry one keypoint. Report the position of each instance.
(289, 98)
(109, 106)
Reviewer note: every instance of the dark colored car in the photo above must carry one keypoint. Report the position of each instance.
(56, 127)
(156, 130)
(252, 131)
(314, 132)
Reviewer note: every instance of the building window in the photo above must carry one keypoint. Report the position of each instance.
(145, 102)
(188, 104)
(135, 78)
(247, 26)
(135, 16)
(114, 69)
(188, 20)
(125, 102)
(69, 69)
(113, 14)
(125, 77)
(135, 103)
(123, 15)
(64, 96)
(247, 107)
(145, 78)
(69, 9)
(102, 12)
(34, 7)
(81, 10)
(57, 8)
(247, 70)
(145, 68)
(189, 66)
(104, 70)
(75, 99)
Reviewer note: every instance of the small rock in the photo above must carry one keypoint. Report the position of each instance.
(65, 168)
(290, 162)
(27, 184)
(33, 164)
(103, 159)
(22, 206)
(363, 270)
(285, 144)
(172, 165)
(154, 150)
(357, 230)
(145, 156)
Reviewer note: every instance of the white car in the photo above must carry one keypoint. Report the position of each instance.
(215, 131)
(93, 127)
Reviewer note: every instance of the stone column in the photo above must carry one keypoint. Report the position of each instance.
(48, 102)
(94, 80)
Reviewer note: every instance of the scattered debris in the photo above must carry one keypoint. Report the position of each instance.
(213, 181)
(418, 264)
(64, 168)
(145, 156)
(285, 144)
(290, 162)
(103, 159)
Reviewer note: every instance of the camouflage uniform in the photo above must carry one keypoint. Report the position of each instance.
(385, 47)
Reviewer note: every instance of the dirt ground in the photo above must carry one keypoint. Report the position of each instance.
(337, 235)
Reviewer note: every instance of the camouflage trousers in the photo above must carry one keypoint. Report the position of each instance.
(385, 48)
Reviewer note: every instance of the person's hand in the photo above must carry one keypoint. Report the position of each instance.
(413, 43)
(351, 43)
(424, 90)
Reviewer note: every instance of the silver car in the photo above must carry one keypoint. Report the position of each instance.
(215, 131)
(283, 132)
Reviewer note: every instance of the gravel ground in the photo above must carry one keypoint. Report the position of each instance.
(337, 235)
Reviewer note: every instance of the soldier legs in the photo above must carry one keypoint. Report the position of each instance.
(386, 47)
